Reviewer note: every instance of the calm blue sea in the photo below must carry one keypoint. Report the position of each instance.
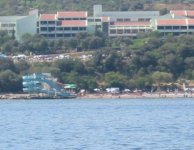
(158, 124)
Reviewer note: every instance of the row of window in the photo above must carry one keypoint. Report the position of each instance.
(58, 35)
(129, 19)
(91, 20)
(8, 25)
(53, 22)
(94, 20)
(174, 27)
(47, 22)
(71, 18)
(63, 29)
(119, 31)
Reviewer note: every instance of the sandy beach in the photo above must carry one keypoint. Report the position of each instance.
(137, 95)
(103, 96)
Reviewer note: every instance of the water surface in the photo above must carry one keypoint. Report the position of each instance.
(158, 124)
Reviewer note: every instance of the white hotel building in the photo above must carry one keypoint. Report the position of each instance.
(62, 24)
(17, 26)
(176, 22)
(126, 23)
(66, 24)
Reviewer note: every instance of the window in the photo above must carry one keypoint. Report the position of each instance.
(82, 28)
(141, 30)
(45, 35)
(112, 31)
(67, 28)
(11, 25)
(51, 29)
(120, 20)
(67, 35)
(59, 29)
(43, 22)
(134, 31)
(51, 22)
(59, 35)
(176, 27)
(160, 28)
(90, 20)
(191, 27)
(97, 20)
(4, 25)
(141, 19)
(43, 29)
(74, 28)
(127, 19)
(168, 28)
(51, 35)
(73, 35)
(120, 31)
(184, 27)
(127, 31)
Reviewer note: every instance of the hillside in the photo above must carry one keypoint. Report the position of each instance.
(19, 7)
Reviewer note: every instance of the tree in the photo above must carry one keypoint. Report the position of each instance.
(115, 79)
(159, 77)
(10, 82)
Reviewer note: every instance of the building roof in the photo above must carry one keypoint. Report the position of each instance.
(127, 14)
(187, 13)
(73, 23)
(72, 14)
(10, 18)
(190, 13)
(132, 24)
(179, 12)
(190, 21)
(176, 22)
(47, 16)
(171, 22)
(170, 16)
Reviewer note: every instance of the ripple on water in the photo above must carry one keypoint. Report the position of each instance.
(97, 125)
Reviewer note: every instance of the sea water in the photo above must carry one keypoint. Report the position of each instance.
(108, 124)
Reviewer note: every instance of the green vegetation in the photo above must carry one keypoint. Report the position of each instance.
(12, 7)
(150, 59)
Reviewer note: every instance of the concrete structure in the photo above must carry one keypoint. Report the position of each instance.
(17, 26)
(62, 24)
(176, 22)
(125, 23)
(67, 24)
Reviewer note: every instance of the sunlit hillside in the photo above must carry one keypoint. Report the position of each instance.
(12, 7)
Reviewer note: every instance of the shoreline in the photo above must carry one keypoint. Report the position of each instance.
(137, 96)
(24, 96)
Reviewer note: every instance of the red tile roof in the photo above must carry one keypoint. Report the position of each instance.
(171, 22)
(105, 19)
(72, 14)
(190, 13)
(187, 13)
(178, 12)
(190, 21)
(73, 23)
(47, 17)
(132, 24)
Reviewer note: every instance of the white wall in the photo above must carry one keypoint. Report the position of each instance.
(26, 25)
